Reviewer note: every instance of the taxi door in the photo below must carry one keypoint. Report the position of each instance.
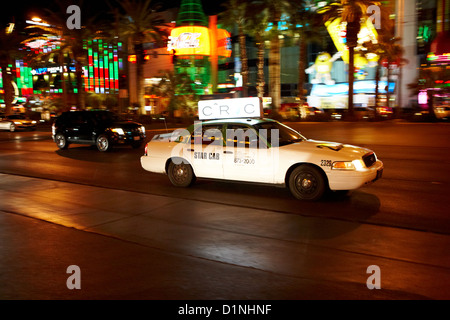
(206, 151)
(247, 156)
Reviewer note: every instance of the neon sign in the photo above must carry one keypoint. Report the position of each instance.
(101, 75)
(191, 40)
(438, 58)
(223, 43)
(185, 40)
(422, 97)
(196, 40)
(39, 71)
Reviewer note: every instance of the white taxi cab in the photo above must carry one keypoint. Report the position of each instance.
(252, 149)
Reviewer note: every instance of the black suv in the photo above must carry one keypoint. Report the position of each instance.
(101, 128)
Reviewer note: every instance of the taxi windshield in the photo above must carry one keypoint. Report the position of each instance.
(278, 134)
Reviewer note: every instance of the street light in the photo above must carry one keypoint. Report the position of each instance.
(37, 21)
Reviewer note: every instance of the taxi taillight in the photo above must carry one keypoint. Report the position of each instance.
(145, 151)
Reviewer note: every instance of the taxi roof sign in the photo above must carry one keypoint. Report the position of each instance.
(229, 108)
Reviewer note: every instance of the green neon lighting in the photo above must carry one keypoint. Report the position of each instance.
(191, 13)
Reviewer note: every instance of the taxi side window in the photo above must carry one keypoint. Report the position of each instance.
(207, 135)
(241, 136)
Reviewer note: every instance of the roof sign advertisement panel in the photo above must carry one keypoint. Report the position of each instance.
(229, 108)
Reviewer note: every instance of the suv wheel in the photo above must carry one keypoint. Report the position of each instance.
(103, 143)
(61, 141)
(12, 127)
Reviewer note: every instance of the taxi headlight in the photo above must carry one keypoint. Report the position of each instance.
(119, 131)
(348, 165)
(17, 122)
(343, 165)
(359, 164)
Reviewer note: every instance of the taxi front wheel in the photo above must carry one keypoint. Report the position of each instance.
(180, 174)
(306, 182)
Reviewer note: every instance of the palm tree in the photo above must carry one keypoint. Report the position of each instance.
(378, 48)
(351, 12)
(393, 53)
(258, 21)
(389, 51)
(71, 45)
(275, 10)
(140, 23)
(307, 25)
(10, 42)
(236, 14)
(178, 88)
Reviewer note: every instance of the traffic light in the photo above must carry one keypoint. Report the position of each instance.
(174, 57)
(123, 81)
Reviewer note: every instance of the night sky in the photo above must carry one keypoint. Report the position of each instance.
(23, 9)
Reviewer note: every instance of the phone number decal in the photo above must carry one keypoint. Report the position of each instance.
(244, 161)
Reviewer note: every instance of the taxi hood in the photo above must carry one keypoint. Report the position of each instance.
(336, 149)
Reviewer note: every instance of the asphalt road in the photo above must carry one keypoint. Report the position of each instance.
(400, 223)
(412, 194)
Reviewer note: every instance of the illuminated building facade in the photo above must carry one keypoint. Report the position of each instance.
(197, 45)
(434, 56)
(101, 71)
(411, 27)
(23, 83)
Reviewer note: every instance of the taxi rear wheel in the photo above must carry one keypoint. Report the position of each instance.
(180, 174)
(306, 182)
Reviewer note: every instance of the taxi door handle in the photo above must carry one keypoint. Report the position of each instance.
(190, 149)
(228, 152)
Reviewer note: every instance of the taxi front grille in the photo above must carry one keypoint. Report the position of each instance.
(369, 159)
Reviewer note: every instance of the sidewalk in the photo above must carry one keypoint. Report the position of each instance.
(36, 253)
